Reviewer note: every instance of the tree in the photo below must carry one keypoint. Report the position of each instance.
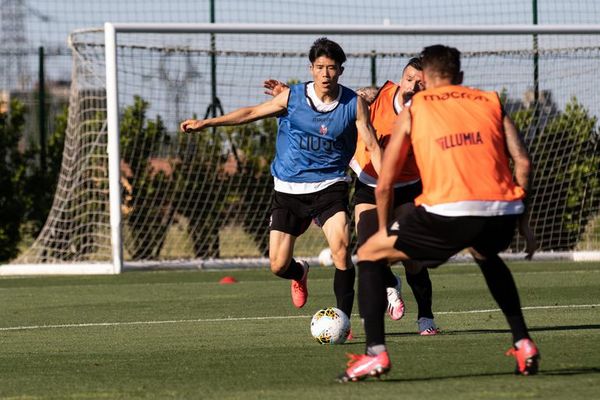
(13, 172)
(253, 146)
(41, 184)
(146, 216)
(566, 183)
(202, 188)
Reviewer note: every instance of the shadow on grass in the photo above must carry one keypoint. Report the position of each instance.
(552, 372)
(484, 331)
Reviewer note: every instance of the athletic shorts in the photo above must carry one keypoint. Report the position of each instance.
(293, 213)
(364, 193)
(425, 236)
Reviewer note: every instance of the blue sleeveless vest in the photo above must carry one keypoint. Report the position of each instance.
(314, 146)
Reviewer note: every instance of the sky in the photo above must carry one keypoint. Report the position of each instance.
(48, 23)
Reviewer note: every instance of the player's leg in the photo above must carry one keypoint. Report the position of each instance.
(287, 223)
(337, 233)
(331, 214)
(386, 245)
(281, 248)
(502, 286)
(372, 302)
(365, 211)
(365, 215)
(417, 277)
(373, 259)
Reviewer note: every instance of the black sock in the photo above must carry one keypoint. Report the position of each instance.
(420, 284)
(372, 300)
(503, 289)
(294, 271)
(389, 277)
(343, 287)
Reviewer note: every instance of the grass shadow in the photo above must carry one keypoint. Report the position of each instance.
(487, 331)
(552, 372)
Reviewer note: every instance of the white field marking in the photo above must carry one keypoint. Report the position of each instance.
(181, 321)
(523, 308)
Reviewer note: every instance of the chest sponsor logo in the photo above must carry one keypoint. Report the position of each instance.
(455, 95)
(316, 144)
(459, 139)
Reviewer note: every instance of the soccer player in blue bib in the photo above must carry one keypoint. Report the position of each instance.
(318, 126)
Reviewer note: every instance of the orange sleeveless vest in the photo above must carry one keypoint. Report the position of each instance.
(458, 138)
(383, 116)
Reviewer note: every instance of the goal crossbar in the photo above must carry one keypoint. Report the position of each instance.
(330, 29)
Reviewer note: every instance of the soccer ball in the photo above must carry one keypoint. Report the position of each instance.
(330, 326)
(325, 258)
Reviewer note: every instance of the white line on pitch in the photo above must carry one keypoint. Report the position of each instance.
(524, 308)
(180, 321)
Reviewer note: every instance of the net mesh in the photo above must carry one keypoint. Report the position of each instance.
(207, 195)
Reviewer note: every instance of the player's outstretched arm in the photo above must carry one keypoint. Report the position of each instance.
(522, 162)
(244, 115)
(393, 160)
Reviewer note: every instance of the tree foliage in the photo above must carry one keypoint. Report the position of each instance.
(566, 181)
(147, 213)
(254, 146)
(211, 176)
(13, 170)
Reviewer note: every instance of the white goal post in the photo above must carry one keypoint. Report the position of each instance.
(107, 256)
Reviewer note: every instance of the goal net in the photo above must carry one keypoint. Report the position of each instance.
(203, 199)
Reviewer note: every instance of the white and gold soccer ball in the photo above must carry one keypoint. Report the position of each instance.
(330, 326)
(325, 258)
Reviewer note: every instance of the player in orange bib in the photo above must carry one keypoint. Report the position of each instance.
(463, 143)
(384, 105)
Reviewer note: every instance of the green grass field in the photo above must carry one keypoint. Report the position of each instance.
(181, 335)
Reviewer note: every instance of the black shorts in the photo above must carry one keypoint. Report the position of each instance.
(364, 193)
(425, 236)
(293, 213)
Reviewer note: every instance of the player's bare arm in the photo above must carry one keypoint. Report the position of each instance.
(522, 162)
(393, 160)
(368, 93)
(272, 108)
(367, 132)
(518, 153)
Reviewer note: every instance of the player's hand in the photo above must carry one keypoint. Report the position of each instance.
(191, 125)
(274, 87)
(368, 93)
(525, 230)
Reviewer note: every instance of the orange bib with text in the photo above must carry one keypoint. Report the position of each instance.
(383, 116)
(458, 139)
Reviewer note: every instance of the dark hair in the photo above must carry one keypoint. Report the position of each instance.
(328, 48)
(442, 59)
(414, 62)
